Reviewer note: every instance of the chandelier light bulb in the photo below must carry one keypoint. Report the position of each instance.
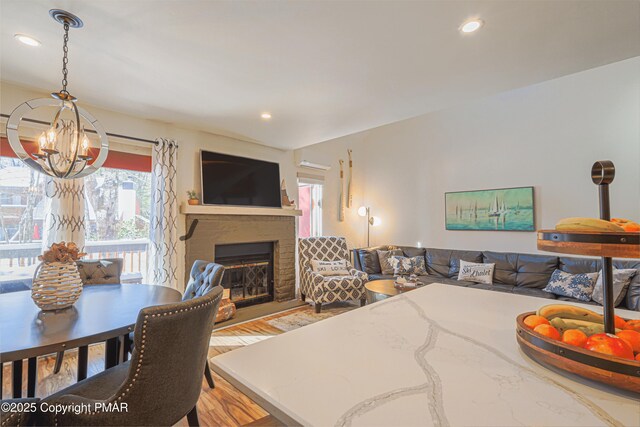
(42, 141)
(51, 136)
(85, 145)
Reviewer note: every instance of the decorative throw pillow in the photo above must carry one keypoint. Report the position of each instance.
(384, 256)
(578, 286)
(621, 280)
(476, 272)
(403, 266)
(330, 268)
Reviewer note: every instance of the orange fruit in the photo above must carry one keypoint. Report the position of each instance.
(630, 226)
(534, 320)
(638, 357)
(632, 338)
(574, 337)
(547, 331)
(634, 325)
(619, 322)
(609, 344)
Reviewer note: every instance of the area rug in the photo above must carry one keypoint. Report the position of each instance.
(300, 318)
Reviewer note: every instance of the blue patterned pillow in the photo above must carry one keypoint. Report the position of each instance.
(403, 266)
(578, 286)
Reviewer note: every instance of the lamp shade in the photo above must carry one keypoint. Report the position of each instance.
(375, 221)
(362, 211)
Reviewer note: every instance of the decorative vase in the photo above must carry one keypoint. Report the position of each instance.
(56, 285)
(193, 201)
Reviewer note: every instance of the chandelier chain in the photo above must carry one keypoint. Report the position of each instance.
(65, 60)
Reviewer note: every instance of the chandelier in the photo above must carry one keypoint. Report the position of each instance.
(75, 144)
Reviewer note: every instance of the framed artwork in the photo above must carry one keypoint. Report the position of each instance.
(504, 209)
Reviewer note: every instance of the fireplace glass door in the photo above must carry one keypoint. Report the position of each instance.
(248, 272)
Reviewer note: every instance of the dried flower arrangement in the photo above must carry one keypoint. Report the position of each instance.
(62, 252)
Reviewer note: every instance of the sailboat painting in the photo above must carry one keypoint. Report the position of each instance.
(505, 209)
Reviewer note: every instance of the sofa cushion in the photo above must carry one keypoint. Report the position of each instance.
(574, 265)
(385, 260)
(579, 286)
(476, 272)
(411, 252)
(632, 299)
(403, 266)
(368, 258)
(446, 262)
(621, 279)
(524, 270)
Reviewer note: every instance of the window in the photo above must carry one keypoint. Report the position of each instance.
(310, 198)
(117, 210)
(21, 220)
(117, 218)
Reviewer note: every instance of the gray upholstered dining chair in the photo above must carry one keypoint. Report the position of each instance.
(95, 272)
(161, 383)
(19, 415)
(204, 276)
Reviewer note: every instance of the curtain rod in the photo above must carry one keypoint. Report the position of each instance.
(115, 135)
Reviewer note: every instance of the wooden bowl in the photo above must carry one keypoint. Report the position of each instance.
(610, 370)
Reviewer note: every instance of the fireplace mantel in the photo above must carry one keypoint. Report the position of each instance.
(186, 209)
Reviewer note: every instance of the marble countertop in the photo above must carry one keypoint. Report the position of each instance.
(441, 355)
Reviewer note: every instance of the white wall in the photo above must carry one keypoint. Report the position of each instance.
(190, 143)
(546, 135)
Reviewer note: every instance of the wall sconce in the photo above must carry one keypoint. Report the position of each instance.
(372, 221)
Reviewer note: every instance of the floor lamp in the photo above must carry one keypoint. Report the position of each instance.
(372, 221)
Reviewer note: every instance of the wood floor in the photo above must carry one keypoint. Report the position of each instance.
(222, 406)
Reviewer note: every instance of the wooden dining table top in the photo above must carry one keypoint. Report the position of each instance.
(101, 312)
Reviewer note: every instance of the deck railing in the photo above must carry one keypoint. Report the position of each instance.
(133, 252)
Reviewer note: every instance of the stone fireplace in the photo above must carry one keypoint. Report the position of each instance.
(257, 249)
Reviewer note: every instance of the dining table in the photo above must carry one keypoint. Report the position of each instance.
(103, 313)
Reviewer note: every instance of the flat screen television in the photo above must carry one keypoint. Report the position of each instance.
(239, 181)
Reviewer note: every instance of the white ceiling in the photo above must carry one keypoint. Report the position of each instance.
(324, 69)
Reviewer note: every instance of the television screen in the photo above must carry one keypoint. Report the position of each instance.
(233, 180)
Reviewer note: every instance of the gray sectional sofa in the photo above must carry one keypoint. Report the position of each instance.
(523, 274)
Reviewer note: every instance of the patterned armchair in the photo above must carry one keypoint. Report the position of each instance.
(324, 289)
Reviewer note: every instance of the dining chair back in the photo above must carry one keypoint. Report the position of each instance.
(164, 376)
(100, 271)
(204, 276)
(95, 272)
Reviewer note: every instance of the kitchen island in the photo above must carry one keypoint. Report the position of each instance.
(440, 355)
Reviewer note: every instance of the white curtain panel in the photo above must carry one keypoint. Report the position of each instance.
(64, 218)
(163, 232)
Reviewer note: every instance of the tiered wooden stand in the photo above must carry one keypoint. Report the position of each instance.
(614, 371)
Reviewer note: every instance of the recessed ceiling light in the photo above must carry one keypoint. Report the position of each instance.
(28, 40)
(471, 25)
(265, 116)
